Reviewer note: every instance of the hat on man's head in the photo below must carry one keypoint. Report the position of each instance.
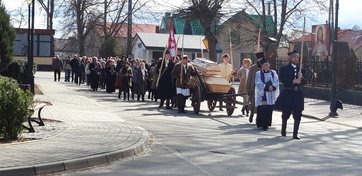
(263, 61)
(293, 52)
(184, 57)
(259, 55)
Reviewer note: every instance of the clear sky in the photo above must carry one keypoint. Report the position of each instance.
(349, 13)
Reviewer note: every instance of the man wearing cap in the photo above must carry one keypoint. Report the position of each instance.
(182, 73)
(164, 69)
(266, 93)
(250, 84)
(291, 99)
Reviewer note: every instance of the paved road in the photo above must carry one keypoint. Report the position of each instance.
(217, 145)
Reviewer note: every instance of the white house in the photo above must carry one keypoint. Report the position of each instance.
(150, 46)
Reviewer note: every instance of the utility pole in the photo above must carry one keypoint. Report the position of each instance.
(129, 32)
(333, 98)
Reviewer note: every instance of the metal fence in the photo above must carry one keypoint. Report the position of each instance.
(319, 73)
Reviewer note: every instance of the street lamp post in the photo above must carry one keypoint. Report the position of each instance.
(333, 98)
(29, 71)
(29, 77)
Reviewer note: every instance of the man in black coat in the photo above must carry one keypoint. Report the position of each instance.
(164, 87)
(291, 98)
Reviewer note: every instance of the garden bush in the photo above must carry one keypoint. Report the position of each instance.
(14, 104)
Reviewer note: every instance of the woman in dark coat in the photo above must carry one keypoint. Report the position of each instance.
(141, 84)
(124, 80)
(94, 74)
(110, 76)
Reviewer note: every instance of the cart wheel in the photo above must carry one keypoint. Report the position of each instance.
(196, 99)
(211, 104)
(230, 102)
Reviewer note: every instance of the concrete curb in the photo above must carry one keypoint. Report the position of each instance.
(80, 163)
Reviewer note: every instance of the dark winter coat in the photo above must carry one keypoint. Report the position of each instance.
(291, 97)
(165, 81)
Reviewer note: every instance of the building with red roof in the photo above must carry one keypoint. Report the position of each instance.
(119, 31)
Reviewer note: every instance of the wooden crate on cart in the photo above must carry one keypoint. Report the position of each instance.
(210, 74)
(206, 67)
(216, 84)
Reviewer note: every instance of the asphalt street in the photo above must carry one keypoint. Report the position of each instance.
(215, 144)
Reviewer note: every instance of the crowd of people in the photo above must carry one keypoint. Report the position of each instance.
(168, 80)
(131, 77)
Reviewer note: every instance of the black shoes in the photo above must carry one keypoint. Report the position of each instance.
(251, 119)
(265, 128)
(296, 137)
(283, 134)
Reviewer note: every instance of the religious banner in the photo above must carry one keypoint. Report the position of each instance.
(320, 41)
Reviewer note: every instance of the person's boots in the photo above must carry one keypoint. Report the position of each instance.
(243, 110)
(168, 104)
(251, 114)
(284, 128)
(161, 103)
(179, 101)
(295, 130)
(247, 110)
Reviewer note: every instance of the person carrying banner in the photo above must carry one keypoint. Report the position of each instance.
(164, 69)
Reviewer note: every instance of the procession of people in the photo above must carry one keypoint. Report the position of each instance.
(166, 80)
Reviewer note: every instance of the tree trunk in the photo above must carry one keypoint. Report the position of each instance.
(212, 48)
(81, 45)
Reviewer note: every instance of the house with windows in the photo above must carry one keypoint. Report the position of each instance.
(43, 50)
(239, 35)
(95, 38)
(242, 29)
(150, 46)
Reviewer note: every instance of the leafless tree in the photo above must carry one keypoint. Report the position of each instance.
(208, 13)
(116, 11)
(287, 14)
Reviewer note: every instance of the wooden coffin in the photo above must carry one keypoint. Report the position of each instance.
(216, 84)
(206, 67)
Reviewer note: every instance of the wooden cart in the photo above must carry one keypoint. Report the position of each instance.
(212, 88)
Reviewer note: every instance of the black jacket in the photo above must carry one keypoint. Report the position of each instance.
(291, 97)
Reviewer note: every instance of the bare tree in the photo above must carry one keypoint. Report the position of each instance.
(117, 12)
(208, 13)
(287, 13)
(80, 17)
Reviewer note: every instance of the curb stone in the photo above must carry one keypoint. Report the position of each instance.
(81, 163)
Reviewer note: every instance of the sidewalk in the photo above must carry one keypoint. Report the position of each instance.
(351, 115)
(91, 136)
